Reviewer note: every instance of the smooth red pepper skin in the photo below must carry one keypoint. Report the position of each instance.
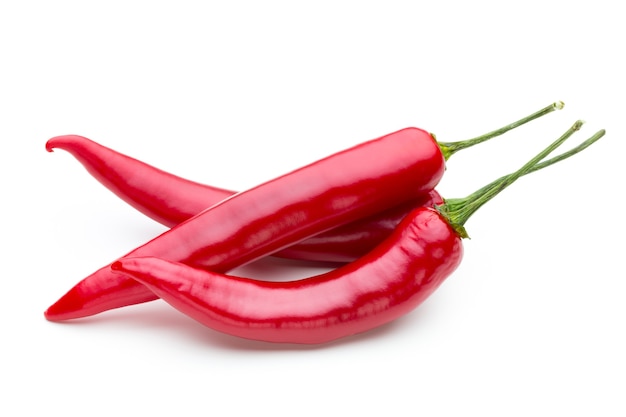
(349, 185)
(388, 282)
(170, 199)
(349, 242)
(164, 197)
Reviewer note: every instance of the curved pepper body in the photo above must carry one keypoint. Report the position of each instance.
(379, 287)
(164, 197)
(349, 185)
(170, 199)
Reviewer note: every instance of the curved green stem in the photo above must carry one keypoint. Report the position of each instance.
(458, 211)
(450, 148)
(541, 165)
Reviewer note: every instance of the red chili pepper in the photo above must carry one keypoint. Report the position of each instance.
(381, 286)
(162, 196)
(388, 282)
(170, 199)
(349, 185)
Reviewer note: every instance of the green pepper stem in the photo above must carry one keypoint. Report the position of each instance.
(458, 211)
(541, 165)
(450, 148)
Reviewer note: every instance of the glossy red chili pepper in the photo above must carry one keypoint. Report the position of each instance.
(371, 291)
(164, 197)
(170, 199)
(388, 282)
(349, 185)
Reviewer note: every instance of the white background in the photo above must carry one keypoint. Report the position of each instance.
(235, 93)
